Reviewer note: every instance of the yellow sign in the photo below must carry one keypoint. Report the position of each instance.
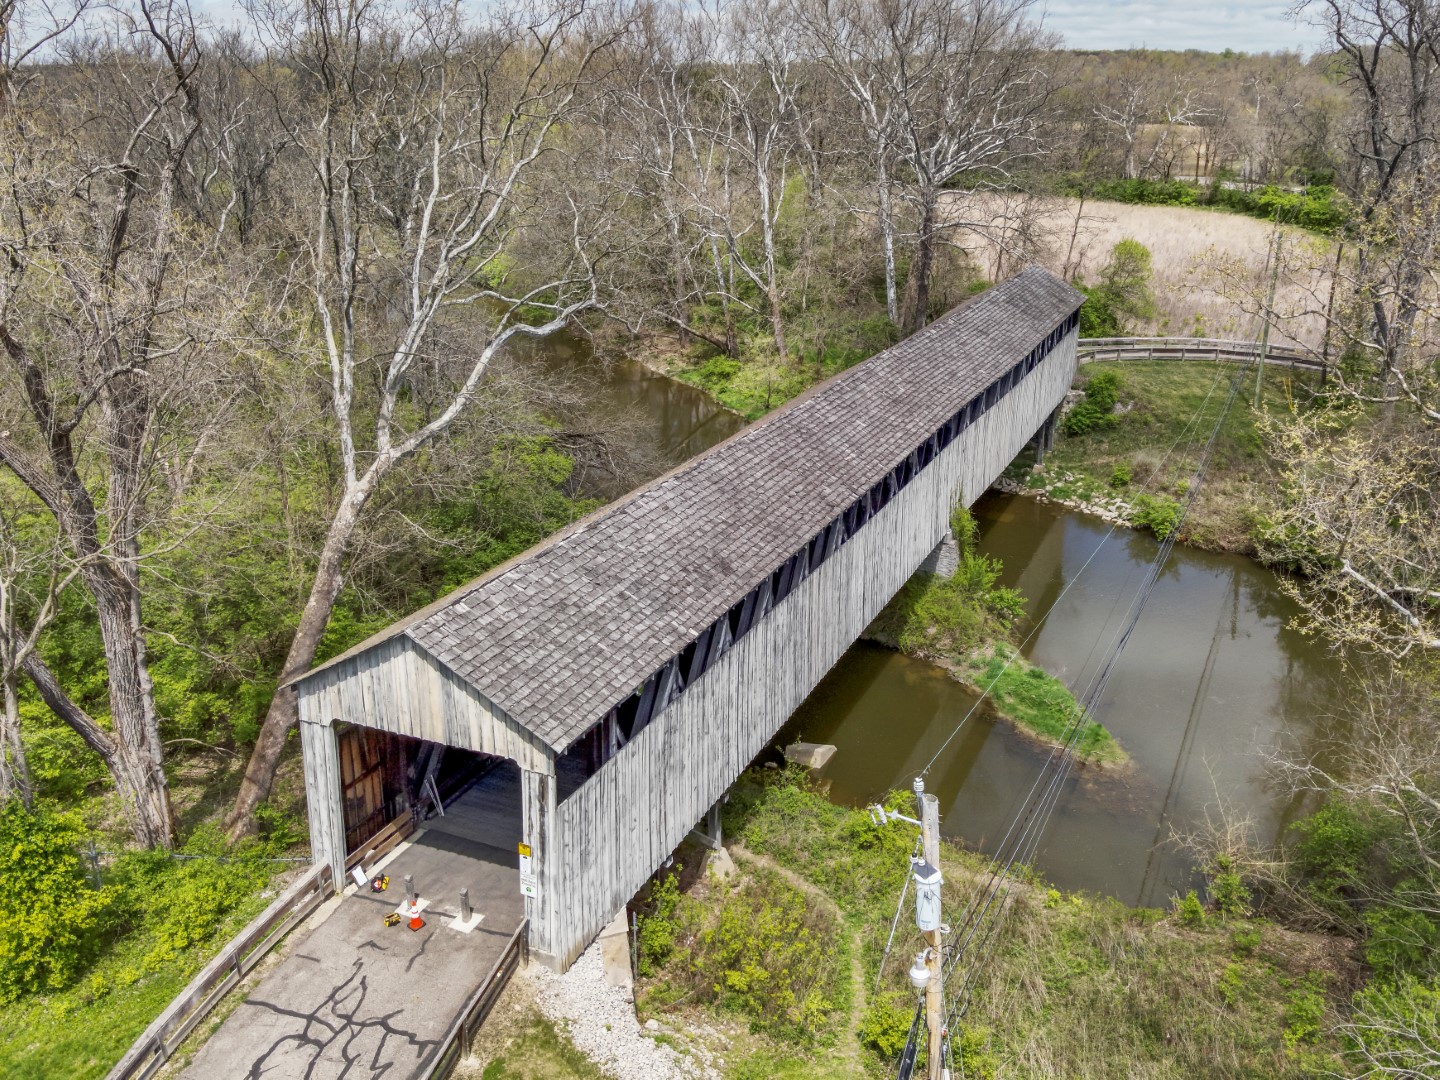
(525, 849)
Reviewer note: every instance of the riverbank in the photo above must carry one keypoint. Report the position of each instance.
(1136, 469)
(964, 623)
(776, 967)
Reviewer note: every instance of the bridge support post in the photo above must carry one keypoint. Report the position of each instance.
(709, 833)
(945, 559)
(1045, 437)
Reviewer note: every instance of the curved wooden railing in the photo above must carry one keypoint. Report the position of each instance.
(220, 976)
(1176, 348)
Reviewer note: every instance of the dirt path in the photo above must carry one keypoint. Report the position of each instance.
(849, 1048)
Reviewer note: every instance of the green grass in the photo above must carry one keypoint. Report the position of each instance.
(536, 1050)
(1075, 985)
(83, 1031)
(1164, 396)
(1042, 704)
(754, 387)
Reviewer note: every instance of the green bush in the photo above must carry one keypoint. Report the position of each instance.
(1103, 389)
(1227, 888)
(886, 1024)
(770, 955)
(1189, 909)
(1399, 942)
(659, 926)
(1158, 513)
(1095, 411)
(973, 1053)
(1120, 476)
(1305, 1013)
(53, 922)
(1331, 849)
(1395, 1023)
(1098, 317)
(1319, 206)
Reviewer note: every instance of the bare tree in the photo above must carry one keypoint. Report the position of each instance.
(419, 140)
(966, 88)
(112, 319)
(1140, 97)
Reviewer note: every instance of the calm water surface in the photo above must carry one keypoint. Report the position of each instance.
(1211, 682)
(662, 421)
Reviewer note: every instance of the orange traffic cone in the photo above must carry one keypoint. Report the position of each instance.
(416, 922)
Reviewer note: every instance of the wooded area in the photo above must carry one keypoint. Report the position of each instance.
(262, 284)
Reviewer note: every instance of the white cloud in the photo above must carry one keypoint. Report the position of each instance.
(1256, 26)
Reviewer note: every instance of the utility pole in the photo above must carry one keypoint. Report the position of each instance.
(929, 807)
(1269, 308)
(927, 974)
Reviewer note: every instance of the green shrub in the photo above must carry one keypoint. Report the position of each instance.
(770, 955)
(1395, 1023)
(1096, 410)
(1305, 1013)
(1098, 317)
(1103, 389)
(1189, 909)
(973, 1053)
(1158, 513)
(886, 1024)
(53, 921)
(1331, 849)
(1319, 206)
(1085, 418)
(658, 927)
(1120, 476)
(1227, 888)
(1399, 942)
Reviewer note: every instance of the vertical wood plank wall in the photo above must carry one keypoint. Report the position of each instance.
(398, 687)
(612, 833)
(320, 750)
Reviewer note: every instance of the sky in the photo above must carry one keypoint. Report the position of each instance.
(1242, 25)
(1253, 26)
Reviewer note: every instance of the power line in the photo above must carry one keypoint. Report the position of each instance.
(1040, 621)
(1037, 812)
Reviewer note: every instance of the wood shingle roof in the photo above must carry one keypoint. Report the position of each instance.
(560, 634)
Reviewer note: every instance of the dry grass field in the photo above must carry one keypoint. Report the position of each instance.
(1209, 265)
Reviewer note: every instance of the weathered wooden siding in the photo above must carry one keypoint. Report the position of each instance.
(321, 753)
(395, 687)
(612, 833)
(398, 687)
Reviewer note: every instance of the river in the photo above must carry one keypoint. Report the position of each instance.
(1212, 682)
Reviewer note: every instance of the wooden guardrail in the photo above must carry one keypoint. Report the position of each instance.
(1235, 352)
(461, 1036)
(383, 842)
(220, 976)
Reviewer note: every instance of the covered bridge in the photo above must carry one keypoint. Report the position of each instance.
(633, 664)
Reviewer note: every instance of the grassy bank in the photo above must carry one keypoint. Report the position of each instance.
(754, 387)
(84, 969)
(1074, 986)
(964, 623)
(1110, 468)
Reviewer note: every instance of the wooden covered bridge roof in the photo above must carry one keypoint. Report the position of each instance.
(558, 635)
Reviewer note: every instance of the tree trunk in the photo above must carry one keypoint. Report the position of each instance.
(143, 791)
(135, 758)
(281, 716)
(924, 259)
(887, 246)
(14, 772)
